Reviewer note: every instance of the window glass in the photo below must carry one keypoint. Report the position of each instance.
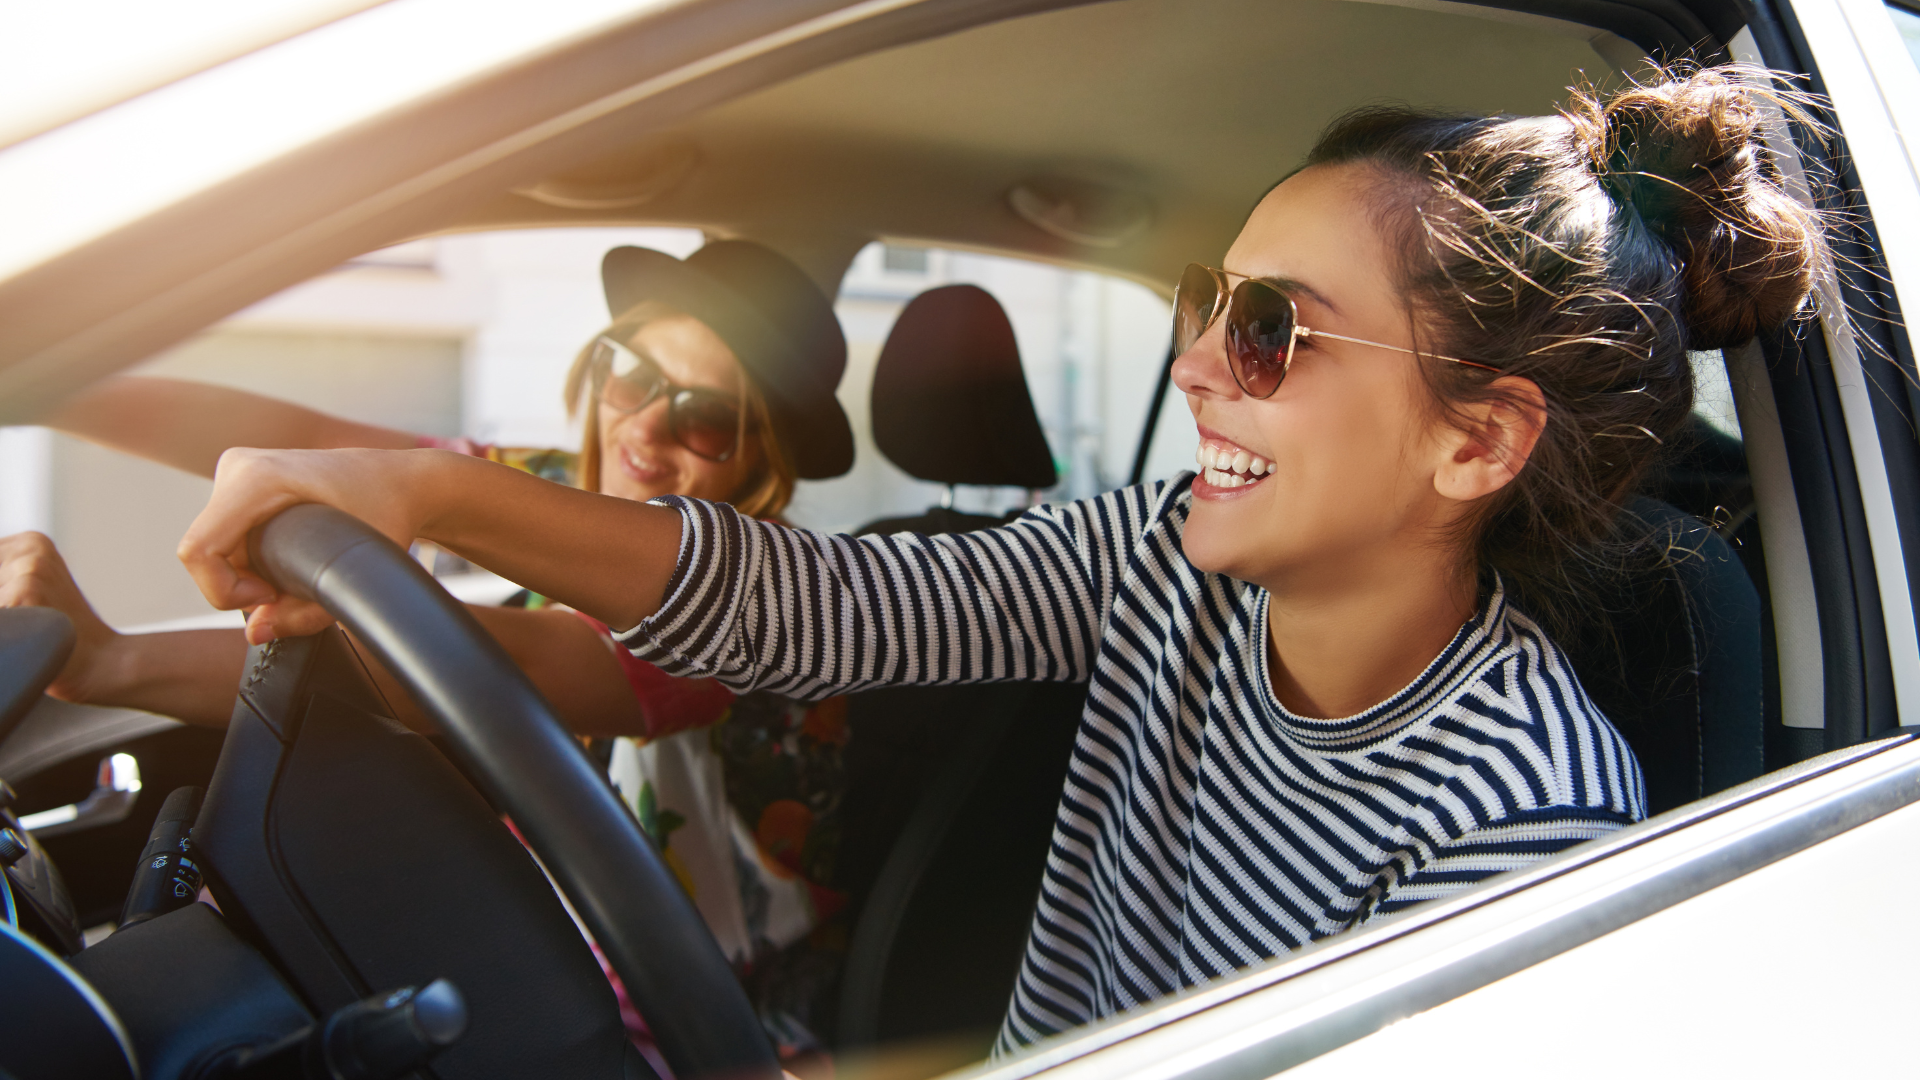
(1713, 392)
(461, 335)
(1908, 20)
(117, 518)
(472, 334)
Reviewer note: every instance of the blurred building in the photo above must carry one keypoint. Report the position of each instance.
(472, 334)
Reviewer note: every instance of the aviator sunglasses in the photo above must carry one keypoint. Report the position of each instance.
(1263, 325)
(707, 422)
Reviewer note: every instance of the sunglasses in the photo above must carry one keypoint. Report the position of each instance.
(707, 422)
(1263, 325)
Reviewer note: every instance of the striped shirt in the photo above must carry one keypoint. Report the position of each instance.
(1203, 826)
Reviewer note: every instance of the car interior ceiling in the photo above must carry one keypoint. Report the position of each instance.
(923, 143)
(926, 140)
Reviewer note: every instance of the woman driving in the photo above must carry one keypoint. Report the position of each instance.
(1424, 375)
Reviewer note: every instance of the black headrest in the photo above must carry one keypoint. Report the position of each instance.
(950, 402)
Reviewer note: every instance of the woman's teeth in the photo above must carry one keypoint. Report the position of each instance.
(637, 464)
(1230, 468)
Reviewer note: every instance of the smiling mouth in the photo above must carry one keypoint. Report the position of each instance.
(639, 467)
(1230, 467)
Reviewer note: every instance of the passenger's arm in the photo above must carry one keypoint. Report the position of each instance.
(188, 425)
(190, 675)
(193, 675)
(572, 665)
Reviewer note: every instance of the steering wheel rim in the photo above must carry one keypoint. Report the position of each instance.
(508, 739)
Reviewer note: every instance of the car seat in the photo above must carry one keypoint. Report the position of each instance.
(1671, 653)
(950, 405)
(951, 790)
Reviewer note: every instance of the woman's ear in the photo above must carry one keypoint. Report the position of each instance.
(1495, 439)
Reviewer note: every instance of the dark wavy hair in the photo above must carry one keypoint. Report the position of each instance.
(1587, 252)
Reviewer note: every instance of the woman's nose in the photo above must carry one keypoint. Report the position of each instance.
(1202, 370)
(650, 423)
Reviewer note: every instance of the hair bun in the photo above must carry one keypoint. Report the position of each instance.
(1685, 154)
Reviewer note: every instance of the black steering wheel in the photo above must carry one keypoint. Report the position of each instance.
(506, 737)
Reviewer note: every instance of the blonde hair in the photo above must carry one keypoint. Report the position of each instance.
(768, 487)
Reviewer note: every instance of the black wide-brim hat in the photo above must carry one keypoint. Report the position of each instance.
(776, 321)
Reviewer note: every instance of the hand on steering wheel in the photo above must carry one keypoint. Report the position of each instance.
(509, 740)
(251, 487)
(32, 574)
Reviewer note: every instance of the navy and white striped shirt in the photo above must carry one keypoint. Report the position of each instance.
(1203, 827)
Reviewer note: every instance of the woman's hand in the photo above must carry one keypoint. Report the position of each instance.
(608, 557)
(190, 675)
(383, 488)
(32, 574)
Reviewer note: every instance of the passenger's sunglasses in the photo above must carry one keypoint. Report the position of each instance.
(1263, 325)
(707, 422)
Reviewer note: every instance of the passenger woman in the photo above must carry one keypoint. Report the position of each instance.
(1425, 374)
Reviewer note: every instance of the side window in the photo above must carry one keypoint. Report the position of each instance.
(472, 335)
(469, 334)
(1092, 346)
(1907, 18)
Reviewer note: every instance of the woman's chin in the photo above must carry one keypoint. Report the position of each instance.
(622, 486)
(1217, 542)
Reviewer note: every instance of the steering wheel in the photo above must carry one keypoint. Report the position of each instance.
(506, 737)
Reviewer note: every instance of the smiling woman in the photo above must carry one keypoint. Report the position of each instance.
(1315, 700)
(1345, 529)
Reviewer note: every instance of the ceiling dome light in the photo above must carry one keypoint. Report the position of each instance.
(640, 174)
(1081, 211)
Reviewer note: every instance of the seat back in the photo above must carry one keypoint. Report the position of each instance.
(1675, 658)
(950, 401)
(951, 790)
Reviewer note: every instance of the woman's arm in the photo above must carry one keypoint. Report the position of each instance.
(605, 556)
(188, 425)
(1512, 843)
(755, 605)
(190, 674)
(807, 614)
(193, 675)
(571, 664)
